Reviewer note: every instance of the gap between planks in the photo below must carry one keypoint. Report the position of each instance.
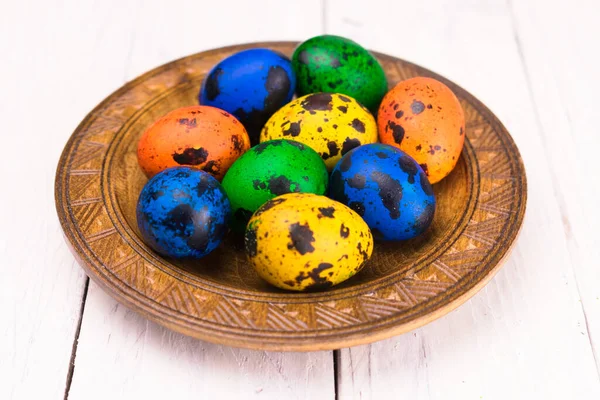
(71, 371)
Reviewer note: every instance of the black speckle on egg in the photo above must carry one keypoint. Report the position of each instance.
(293, 130)
(155, 194)
(363, 253)
(408, 165)
(304, 57)
(179, 218)
(259, 148)
(212, 167)
(346, 163)
(390, 192)
(301, 238)
(319, 282)
(349, 144)
(417, 107)
(381, 155)
(188, 122)
(333, 150)
(268, 205)
(397, 131)
(399, 114)
(344, 99)
(295, 144)
(257, 184)
(190, 156)
(281, 185)
(358, 125)
(277, 86)
(317, 102)
(203, 186)
(425, 185)
(212, 84)
(326, 212)
(357, 181)
(344, 232)
(237, 143)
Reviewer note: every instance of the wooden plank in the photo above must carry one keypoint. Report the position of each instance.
(525, 335)
(122, 355)
(564, 93)
(53, 75)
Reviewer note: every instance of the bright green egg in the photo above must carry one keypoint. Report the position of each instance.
(268, 170)
(335, 64)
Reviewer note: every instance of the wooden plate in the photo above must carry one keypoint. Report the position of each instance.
(220, 298)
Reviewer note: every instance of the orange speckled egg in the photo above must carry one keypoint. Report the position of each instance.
(423, 118)
(200, 137)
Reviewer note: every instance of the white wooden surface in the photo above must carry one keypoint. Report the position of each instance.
(533, 332)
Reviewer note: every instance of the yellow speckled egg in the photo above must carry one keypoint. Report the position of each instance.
(332, 124)
(303, 241)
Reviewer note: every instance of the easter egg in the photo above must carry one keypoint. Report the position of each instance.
(423, 118)
(200, 137)
(302, 241)
(332, 124)
(387, 188)
(338, 65)
(268, 170)
(251, 85)
(182, 213)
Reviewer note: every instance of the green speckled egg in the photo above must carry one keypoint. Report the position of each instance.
(268, 170)
(338, 65)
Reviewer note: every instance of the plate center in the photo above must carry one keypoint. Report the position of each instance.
(228, 265)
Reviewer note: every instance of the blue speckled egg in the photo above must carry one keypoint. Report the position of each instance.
(251, 85)
(387, 188)
(183, 213)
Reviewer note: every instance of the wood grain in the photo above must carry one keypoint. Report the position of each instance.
(142, 359)
(523, 336)
(405, 285)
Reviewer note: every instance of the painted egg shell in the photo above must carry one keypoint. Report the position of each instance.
(387, 188)
(338, 65)
(183, 213)
(268, 170)
(302, 241)
(332, 124)
(201, 137)
(251, 85)
(423, 118)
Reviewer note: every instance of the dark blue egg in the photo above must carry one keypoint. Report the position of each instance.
(251, 85)
(387, 188)
(183, 213)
